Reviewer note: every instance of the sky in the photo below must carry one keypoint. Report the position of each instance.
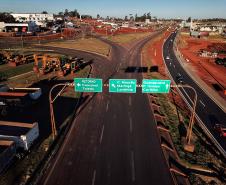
(121, 8)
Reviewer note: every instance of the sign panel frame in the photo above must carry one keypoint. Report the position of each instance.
(122, 85)
(88, 85)
(155, 86)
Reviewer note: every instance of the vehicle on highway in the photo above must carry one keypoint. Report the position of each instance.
(217, 126)
(179, 79)
(221, 129)
(168, 58)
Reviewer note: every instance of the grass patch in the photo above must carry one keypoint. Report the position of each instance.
(9, 71)
(126, 38)
(86, 44)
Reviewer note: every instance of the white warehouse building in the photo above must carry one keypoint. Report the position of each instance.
(34, 17)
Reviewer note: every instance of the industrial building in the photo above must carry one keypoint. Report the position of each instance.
(19, 27)
(35, 17)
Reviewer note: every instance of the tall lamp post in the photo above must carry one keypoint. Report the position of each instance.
(51, 101)
(188, 146)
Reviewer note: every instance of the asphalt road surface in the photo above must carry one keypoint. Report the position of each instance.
(114, 139)
(207, 110)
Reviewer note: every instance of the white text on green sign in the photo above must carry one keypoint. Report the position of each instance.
(88, 85)
(155, 86)
(122, 85)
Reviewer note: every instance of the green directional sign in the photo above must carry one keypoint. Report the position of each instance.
(155, 86)
(88, 85)
(122, 86)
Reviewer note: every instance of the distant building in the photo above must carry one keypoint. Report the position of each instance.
(19, 27)
(35, 17)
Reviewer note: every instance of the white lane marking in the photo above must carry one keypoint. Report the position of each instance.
(202, 103)
(94, 177)
(130, 101)
(132, 166)
(102, 133)
(107, 106)
(130, 125)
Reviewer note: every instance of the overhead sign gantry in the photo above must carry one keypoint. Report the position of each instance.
(122, 85)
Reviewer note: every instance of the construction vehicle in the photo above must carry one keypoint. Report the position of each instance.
(63, 66)
(11, 98)
(5, 57)
(14, 59)
(20, 60)
(48, 64)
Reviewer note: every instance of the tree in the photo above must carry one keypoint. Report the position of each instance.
(98, 16)
(189, 19)
(136, 17)
(61, 13)
(66, 13)
(126, 18)
(74, 14)
(86, 16)
(149, 15)
(7, 18)
(44, 12)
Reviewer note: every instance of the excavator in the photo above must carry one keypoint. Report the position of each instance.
(6, 57)
(49, 63)
(62, 66)
(14, 59)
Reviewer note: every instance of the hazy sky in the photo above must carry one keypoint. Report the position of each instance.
(120, 8)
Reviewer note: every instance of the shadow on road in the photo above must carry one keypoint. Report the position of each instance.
(135, 69)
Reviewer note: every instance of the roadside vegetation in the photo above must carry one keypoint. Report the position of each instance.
(85, 44)
(127, 38)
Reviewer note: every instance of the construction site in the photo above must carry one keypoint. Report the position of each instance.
(206, 58)
(27, 77)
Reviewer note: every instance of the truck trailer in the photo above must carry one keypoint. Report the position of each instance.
(17, 97)
(23, 134)
(7, 153)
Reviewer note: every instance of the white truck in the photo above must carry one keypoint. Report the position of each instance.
(17, 97)
(23, 134)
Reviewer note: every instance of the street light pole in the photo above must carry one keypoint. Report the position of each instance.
(51, 101)
(188, 146)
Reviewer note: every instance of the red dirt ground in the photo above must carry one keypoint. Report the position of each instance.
(206, 68)
(107, 30)
(155, 52)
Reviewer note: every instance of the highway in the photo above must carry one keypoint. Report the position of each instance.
(114, 139)
(206, 108)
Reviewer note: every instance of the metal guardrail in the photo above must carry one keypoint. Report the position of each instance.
(202, 125)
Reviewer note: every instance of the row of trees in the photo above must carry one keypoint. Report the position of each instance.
(132, 18)
(66, 12)
(73, 13)
(6, 17)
